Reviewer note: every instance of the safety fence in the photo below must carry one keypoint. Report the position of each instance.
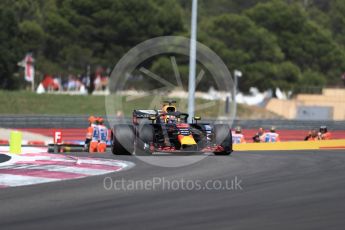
(81, 121)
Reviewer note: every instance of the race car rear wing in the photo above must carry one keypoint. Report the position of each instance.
(143, 113)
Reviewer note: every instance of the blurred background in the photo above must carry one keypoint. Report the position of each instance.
(288, 55)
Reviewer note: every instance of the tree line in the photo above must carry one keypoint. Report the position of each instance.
(275, 43)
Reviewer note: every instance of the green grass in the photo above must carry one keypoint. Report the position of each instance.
(24, 102)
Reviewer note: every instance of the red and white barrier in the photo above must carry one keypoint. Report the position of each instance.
(27, 142)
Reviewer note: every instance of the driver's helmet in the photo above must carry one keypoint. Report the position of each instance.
(169, 109)
(170, 119)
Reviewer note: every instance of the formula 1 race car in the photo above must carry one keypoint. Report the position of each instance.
(167, 130)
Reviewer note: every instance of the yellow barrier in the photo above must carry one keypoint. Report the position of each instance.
(16, 142)
(292, 145)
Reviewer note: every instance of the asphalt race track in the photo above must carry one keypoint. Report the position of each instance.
(4, 158)
(280, 190)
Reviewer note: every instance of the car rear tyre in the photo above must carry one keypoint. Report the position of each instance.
(145, 136)
(123, 140)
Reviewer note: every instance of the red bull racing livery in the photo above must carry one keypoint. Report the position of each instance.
(167, 130)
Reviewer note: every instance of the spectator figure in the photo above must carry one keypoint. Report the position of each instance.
(259, 136)
(324, 134)
(343, 78)
(104, 82)
(312, 135)
(98, 83)
(72, 84)
(272, 136)
(238, 137)
(78, 84)
(86, 81)
(50, 84)
(57, 82)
